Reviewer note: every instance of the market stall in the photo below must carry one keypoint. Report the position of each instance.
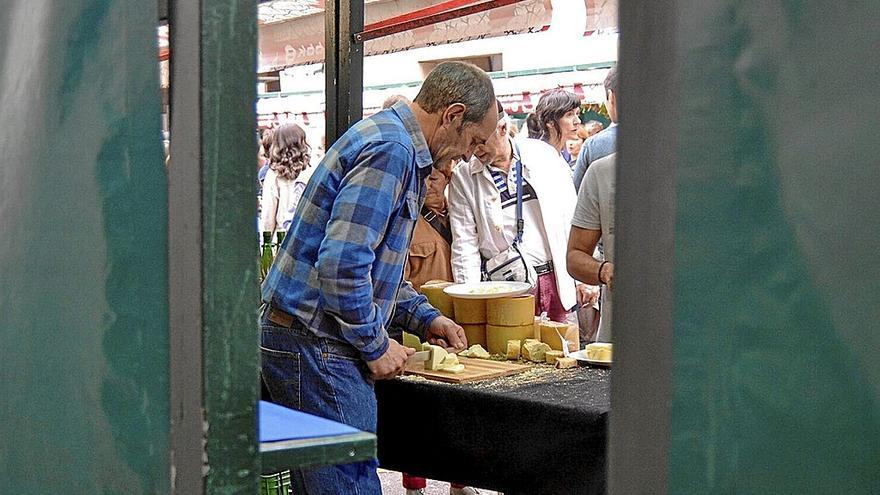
(527, 413)
(542, 431)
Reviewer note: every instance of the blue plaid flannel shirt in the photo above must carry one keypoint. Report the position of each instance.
(340, 270)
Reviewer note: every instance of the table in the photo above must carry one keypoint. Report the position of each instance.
(292, 439)
(540, 432)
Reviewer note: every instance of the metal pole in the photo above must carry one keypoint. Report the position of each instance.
(185, 249)
(641, 394)
(344, 66)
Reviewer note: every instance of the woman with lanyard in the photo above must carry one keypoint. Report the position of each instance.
(483, 214)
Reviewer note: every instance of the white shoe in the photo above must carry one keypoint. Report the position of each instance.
(468, 490)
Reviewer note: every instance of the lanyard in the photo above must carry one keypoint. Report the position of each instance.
(519, 178)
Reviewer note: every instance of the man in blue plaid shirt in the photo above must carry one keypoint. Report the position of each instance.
(337, 283)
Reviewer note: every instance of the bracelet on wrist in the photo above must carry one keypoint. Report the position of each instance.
(599, 273)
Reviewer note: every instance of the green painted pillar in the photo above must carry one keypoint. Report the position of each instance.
(84, 374)
(776, 379)
(214, 247)
(230, 250)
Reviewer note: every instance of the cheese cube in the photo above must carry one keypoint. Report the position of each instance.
(599, 351)
(513, 349)
(552, 356)
(565, 362)
(535, 351)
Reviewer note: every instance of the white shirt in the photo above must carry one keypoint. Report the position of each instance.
(280, 197)
(534, 244)
(480, 228)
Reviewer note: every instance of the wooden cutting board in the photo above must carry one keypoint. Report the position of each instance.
(474, 370)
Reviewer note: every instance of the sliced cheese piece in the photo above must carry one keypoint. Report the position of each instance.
(433, 290)
(435, 360)
(469, 311)
(513, 349)
(449, 360)
(565, 362)
(497, 336)
(511, 311)
(456, 368)
(599, 351)
(465, 353)
(411, 341)
(551, 356)
(534, 351)
(475, 333)
(547, 330)
(477, 351)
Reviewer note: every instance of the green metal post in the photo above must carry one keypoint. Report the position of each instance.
(230, 298)
(215, 362)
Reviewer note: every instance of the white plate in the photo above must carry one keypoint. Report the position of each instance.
(487, 290)
(582, 356)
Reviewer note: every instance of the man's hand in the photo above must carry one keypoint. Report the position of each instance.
(607, 275)
(446, 333)
(587, 295)
(391, 363)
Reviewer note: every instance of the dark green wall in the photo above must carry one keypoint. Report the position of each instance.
(83, 255)
(776, 378)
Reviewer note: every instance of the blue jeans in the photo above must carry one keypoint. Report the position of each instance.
(328, 379)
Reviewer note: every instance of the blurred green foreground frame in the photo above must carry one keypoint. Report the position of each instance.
(748, 291)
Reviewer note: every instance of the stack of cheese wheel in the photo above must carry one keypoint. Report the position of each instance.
(509, 318)
(433, 290)
(471, 315)
(547, 334)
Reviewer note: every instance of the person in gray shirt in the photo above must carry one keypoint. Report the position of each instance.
(604, 143)
(593, 220)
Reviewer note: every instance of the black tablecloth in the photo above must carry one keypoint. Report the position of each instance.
(540, 432)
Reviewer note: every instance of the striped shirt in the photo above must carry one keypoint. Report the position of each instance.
(507, 188)
(340, 270)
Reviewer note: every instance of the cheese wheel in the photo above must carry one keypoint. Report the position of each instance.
(497, 336)
(548, 335)
(599, 351)
(536, 333)
(511, 311)
(433, 290)
(469, 311)
(552, 356)
(476, 334)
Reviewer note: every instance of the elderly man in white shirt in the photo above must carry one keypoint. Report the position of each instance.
(482, 203)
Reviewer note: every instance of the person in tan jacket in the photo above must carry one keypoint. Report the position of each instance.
(430, 253)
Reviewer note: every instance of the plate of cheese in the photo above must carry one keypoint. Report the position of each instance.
(597, 353)
(487, 290)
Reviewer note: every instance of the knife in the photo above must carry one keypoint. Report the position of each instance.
(418, 357)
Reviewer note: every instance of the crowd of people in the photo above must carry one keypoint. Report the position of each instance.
(440, 188)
